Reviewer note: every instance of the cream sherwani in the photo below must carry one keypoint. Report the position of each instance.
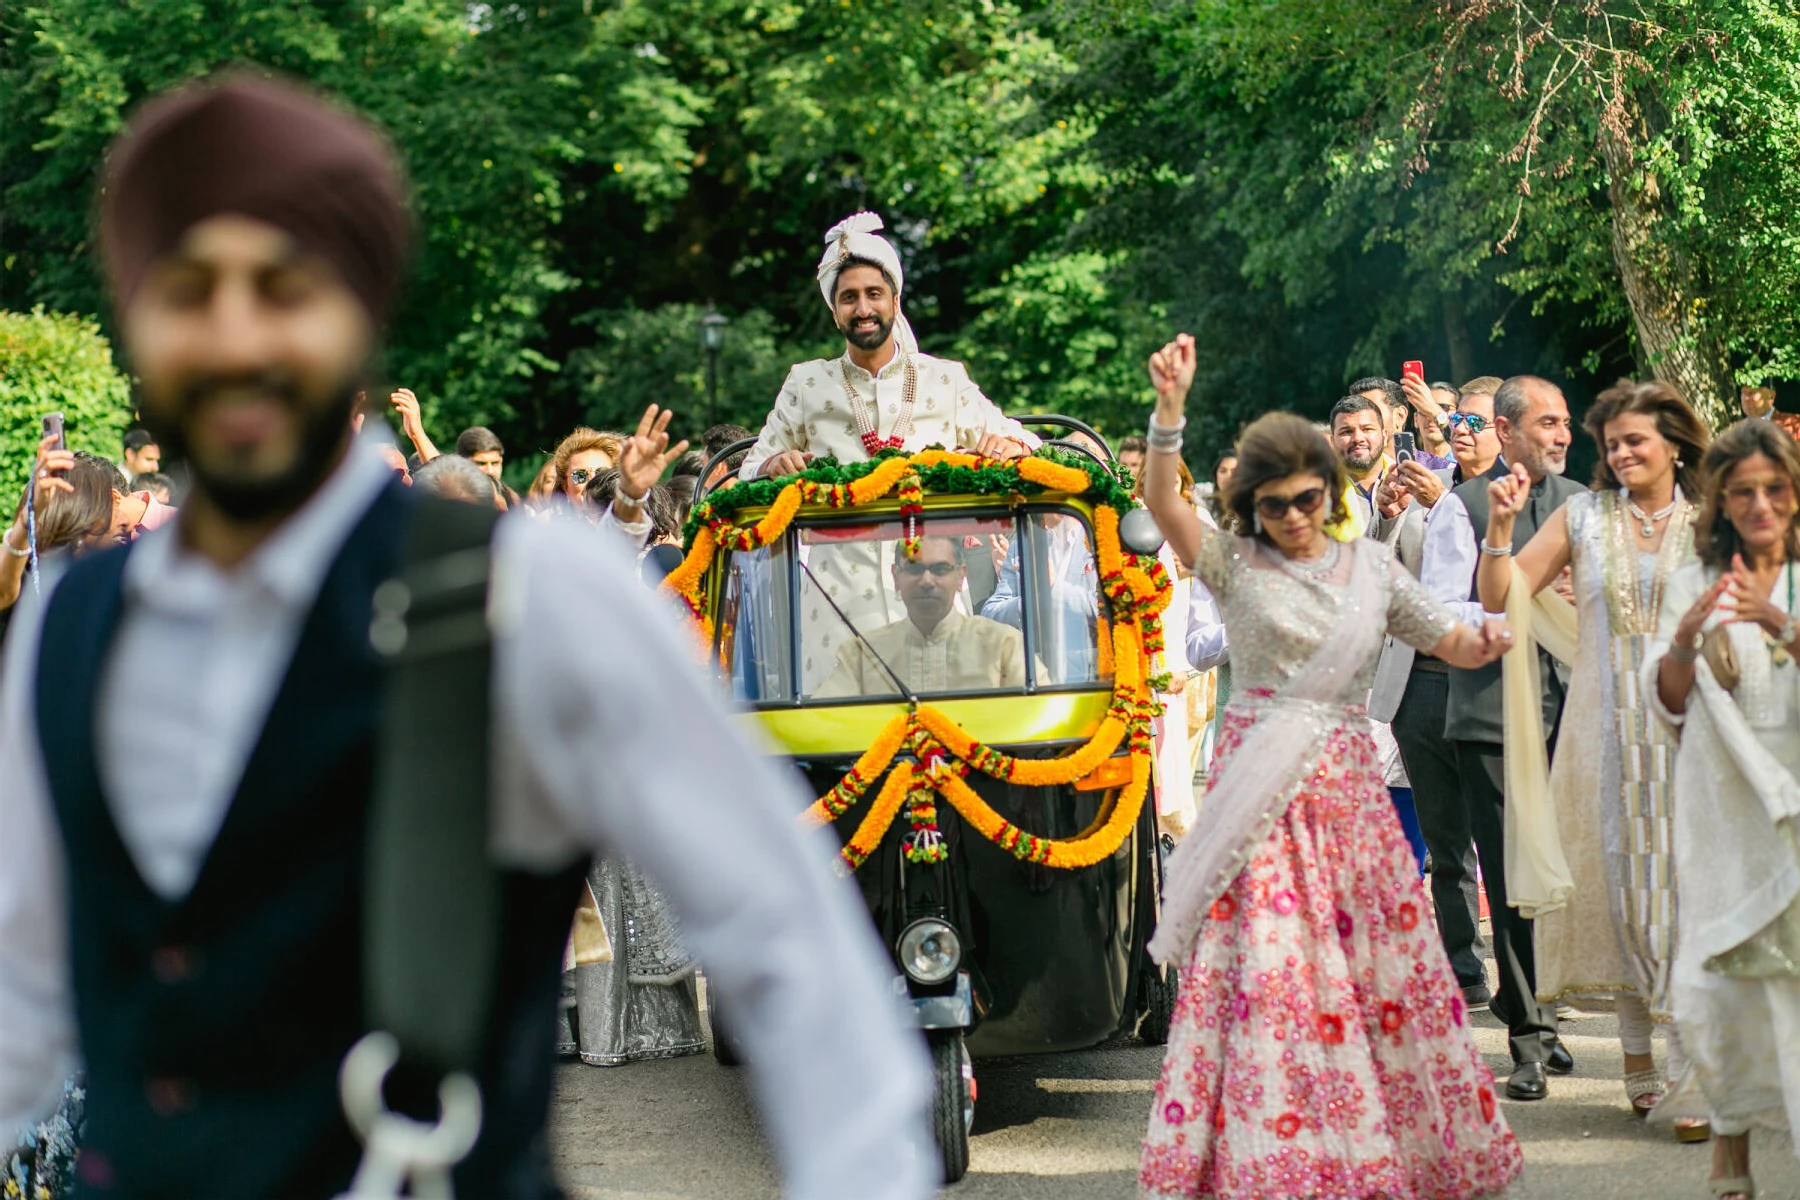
(813, 415)
(963, 654)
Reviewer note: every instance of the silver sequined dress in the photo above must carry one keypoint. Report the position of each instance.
(1319, 1046)
(643, 1004)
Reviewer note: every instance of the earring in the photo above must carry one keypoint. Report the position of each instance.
(1256, 522)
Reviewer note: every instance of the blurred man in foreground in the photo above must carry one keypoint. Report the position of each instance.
(182, 895)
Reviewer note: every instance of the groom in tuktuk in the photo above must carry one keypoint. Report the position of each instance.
(881, 393)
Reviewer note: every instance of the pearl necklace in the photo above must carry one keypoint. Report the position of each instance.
(865, 416)
(1649, 521)
(1320, 568)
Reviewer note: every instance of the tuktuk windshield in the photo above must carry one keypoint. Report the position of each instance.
(970, 614)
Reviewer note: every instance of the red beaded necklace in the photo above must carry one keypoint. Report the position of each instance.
(865, 416)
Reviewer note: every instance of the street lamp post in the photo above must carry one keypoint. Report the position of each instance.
(712, 338)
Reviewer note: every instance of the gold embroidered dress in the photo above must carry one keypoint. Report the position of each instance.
(1612, 779)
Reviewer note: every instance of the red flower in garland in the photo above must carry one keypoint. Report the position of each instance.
(1392, 1016)
(1287, 1125)
(1331, 1029)
(1408, 916)
(1486, 1096)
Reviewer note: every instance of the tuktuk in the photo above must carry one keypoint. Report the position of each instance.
(958, 654)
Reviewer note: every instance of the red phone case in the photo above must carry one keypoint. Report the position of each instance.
(1415, 368)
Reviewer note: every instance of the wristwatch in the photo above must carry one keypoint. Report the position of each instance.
(1442, 419)
(1789, 627)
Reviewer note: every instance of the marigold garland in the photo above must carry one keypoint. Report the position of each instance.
(881, 816)
(1137, 587)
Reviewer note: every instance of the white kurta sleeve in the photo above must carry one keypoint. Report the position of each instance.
(632, 533)
(37, 1021)
(1204, 637)
(628, 744)
(783, 429)
(977, 415)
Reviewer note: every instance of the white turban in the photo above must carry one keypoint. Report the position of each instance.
(855, 237)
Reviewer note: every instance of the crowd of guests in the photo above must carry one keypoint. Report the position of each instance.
(1618, 768)
(83, 501)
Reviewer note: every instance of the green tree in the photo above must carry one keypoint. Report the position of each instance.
(640, 357)
(491, 106)
(56, 362)
(1625, 167)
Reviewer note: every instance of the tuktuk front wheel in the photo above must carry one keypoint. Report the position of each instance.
(952, 1099)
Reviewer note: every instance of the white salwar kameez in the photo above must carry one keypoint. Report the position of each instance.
(813, 415)
(1735, 985)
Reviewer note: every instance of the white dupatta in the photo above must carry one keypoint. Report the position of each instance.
(1733, 796)
(1256, 786)
(1538, 879)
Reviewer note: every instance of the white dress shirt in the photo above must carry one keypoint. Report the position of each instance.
(607, 735)
(1205, 635)
(1447, 563)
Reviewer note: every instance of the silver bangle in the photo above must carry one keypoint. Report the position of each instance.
(6, 539)
(1164, 439)
(1495, 551)
(1685, 655)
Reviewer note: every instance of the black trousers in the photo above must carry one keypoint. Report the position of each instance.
(1430, 760)
(1532, 1025)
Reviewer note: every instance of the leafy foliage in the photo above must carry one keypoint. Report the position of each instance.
(55, 362)
(1318, 188)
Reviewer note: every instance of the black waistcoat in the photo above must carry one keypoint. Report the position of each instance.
(212, 1026)
(1475, 712)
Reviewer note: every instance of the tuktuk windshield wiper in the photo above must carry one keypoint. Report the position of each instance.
(857, 633)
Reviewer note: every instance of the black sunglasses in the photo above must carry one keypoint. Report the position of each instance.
(1273, 508)
(941, 570)
(580, 475)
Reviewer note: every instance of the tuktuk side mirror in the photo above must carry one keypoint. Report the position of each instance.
(1139, 532)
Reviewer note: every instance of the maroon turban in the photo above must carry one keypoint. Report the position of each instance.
(264, 149)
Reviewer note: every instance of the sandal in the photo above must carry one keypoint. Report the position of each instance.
(1693, 1130)
(1644, 1089)
(1736, 1152)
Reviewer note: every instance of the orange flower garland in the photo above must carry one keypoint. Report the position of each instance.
(868, 769)
(868, 835)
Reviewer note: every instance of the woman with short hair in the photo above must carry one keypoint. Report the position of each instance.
(1320, 1045)
(1722, 676)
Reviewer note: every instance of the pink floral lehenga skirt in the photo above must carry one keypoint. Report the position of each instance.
(1320, 1046)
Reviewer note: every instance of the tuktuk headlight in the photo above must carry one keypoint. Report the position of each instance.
(930, 951)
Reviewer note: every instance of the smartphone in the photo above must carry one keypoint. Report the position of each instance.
(53, 427)
(1414, 368)
(1405, 447)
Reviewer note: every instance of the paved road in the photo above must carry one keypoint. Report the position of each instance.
(1065, 1126)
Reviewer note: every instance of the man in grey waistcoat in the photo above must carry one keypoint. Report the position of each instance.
(1411, 692)
(1532, 421)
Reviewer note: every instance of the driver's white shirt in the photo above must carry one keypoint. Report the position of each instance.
(962, 654)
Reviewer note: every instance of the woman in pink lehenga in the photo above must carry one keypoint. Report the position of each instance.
(1319, 1046)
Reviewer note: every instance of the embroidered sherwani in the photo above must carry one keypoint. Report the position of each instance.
(815, 414)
